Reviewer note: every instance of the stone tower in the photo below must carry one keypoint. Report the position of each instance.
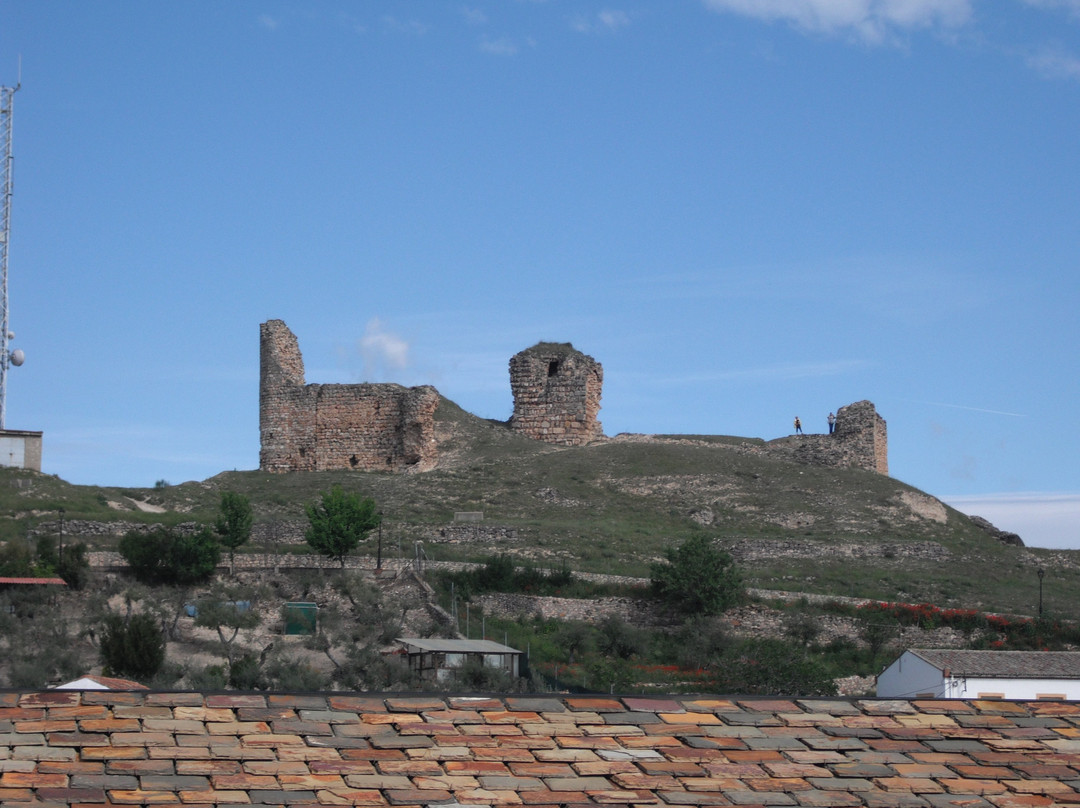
(317, 427)
(556, 394)
(862, 432)
(860, 441)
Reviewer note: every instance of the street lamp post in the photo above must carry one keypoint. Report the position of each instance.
(1041, 574)
(378, 557)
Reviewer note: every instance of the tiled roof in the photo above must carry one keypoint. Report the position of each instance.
(440, 645)
(34, 581)
(93, 749)
(95, 682)
(1004, 664)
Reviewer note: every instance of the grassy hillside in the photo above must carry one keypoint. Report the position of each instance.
(615, 507)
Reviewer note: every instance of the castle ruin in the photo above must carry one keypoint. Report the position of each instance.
(318, 427)
(556, 389)
(860, 441)
(556, 394)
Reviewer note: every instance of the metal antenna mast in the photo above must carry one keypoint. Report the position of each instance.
(7, 99)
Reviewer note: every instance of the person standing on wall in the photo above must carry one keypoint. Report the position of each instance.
(832, 422)
(798, 426)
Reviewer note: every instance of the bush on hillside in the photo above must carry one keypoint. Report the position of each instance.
(164, 556)
(698, 578)
(133, 647)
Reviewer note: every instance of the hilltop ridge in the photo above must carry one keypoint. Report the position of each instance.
(612, 506)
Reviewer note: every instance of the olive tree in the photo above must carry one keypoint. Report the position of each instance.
(166, 556)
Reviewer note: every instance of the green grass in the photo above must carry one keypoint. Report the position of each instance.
(615, 508)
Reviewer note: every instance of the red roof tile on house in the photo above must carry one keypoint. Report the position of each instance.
(95, 682)
(34, 581)
(101, 748)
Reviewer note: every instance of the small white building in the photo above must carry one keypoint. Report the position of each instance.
(436, 658)
(953, 674)
(20, 449)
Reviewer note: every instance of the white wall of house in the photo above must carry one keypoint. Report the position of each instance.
(973, 688)
(910, 677)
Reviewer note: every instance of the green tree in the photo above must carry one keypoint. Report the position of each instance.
(698, 578)
(575, 639)
(228, 610)
(133, 646)
(771, 667)
(47, 556)
(16, 560)
(233, 524)
(339, 522)
(164, 556)
(73, 566)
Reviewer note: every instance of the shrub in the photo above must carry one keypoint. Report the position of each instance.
(132, 647)
(16, 560)
(698, 578)
(770, 667)
(73, 566)
(164, 556)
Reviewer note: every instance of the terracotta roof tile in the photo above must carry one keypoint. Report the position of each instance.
(94, 749)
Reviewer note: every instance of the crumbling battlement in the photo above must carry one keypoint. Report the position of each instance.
(556, 394)
(318, 427)
(860, 441)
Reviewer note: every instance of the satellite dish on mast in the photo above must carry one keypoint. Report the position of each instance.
(18, 357)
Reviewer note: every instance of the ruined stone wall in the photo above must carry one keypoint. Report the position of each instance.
(320, 427)
(860, 441)
(859, 427)
(556, 394)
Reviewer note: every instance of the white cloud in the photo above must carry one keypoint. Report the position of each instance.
(1069, 5)
(1053, 64)
(414, 27)
(473, 16)
(380, 348)
(608, 20)
(872, 21)
(268, 22)
(613, 19)
(499, 47)
(1040, 519)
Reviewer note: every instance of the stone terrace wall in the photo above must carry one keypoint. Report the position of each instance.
(320, 427)
(557, 393)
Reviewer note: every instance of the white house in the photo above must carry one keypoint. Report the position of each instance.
(953, 674)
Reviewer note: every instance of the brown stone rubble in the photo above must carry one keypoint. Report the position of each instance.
(92, 749)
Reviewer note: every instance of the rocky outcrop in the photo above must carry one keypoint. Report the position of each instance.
(1002, 536)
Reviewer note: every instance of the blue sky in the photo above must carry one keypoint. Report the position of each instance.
(746, 210)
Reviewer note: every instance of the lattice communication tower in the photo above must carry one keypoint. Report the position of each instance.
(7, 160)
